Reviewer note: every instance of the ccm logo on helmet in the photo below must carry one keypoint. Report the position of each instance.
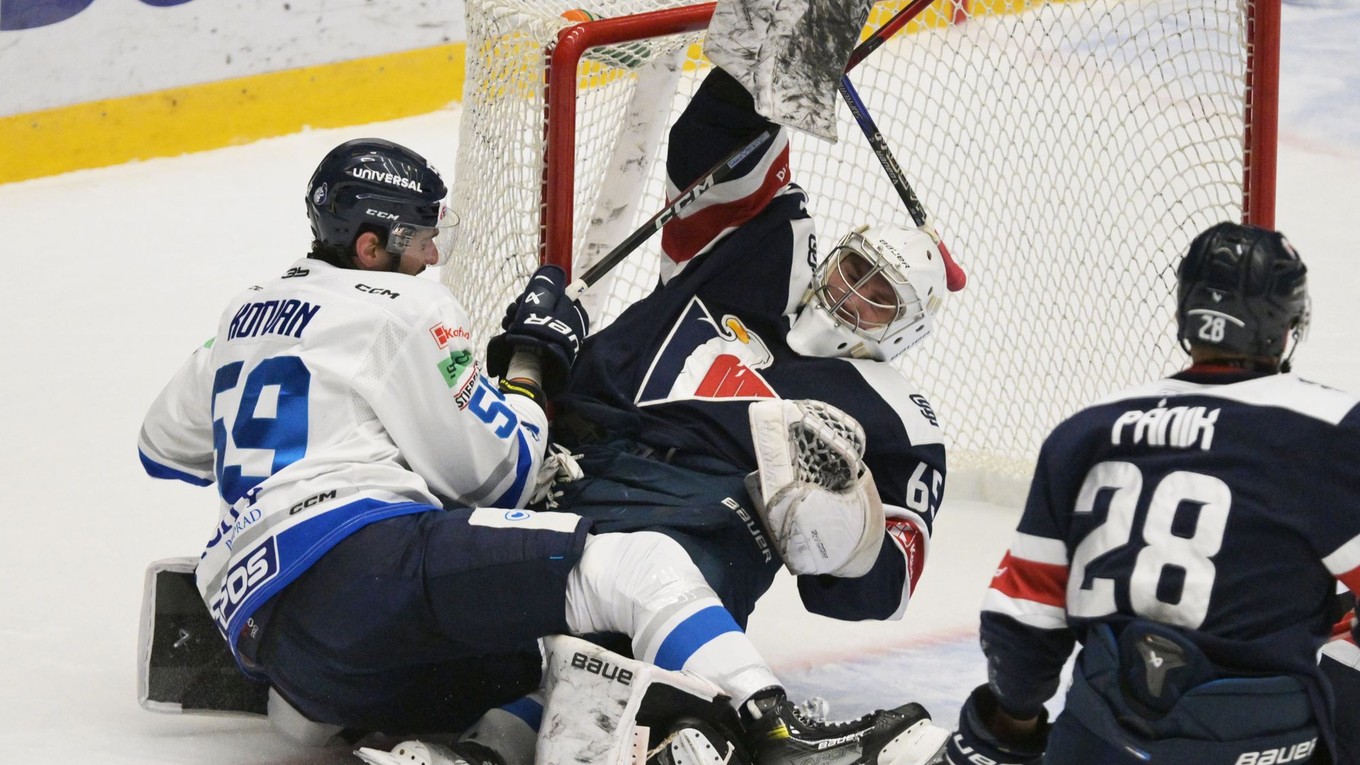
(365, 174)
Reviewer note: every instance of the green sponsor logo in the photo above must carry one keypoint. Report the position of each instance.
(453, 367)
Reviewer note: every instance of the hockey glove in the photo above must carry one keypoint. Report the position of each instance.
(813, 491)
(544, 321)
(974, 741)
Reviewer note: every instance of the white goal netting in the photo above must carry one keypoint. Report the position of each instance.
(1068, 151)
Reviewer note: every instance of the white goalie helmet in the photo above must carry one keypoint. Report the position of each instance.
(875, 295)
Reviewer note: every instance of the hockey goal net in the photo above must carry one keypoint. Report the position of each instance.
(1068, 151)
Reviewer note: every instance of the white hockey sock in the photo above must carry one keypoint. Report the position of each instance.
(643, 584)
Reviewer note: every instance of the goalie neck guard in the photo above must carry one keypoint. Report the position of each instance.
(875, 296)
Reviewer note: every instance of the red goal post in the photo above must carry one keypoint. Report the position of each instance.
(1068, 151)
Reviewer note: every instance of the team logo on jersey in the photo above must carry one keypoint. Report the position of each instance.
(442, 334)
(707, 358)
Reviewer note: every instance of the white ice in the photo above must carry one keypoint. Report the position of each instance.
(115, 275)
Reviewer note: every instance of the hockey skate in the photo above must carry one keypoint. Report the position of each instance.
(429, 753)
(901, 736)
(695, 742)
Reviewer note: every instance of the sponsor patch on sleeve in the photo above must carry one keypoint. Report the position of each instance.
(460, 374)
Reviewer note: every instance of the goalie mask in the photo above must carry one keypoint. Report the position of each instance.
(874, 296)
(376, 185)
(1244, 290)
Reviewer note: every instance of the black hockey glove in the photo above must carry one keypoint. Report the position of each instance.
(974, 741)
(545, 321)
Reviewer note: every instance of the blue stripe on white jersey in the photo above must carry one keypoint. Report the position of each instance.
(157, 470)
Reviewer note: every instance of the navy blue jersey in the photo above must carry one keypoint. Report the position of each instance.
(678, 369)
(1224, 503)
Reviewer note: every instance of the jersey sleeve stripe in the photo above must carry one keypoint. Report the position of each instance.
(1039, 549)
(524, 467)
(1351, 579)
(1028, 612)
(1345, 561)
(157, 470)
(1022, 579)
(724, 207)
(913, 540)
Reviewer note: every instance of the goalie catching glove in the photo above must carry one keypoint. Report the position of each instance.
(543, 321)
(812, 490)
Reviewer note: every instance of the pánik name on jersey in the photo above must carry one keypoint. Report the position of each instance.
(1181, 427)
(365, 174)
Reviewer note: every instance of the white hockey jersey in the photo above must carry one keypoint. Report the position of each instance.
(330, 399)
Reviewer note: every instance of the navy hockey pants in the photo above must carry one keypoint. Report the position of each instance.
(700, 502)
(422, 622)
(1228, 721)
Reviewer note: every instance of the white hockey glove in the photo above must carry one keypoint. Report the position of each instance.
(559, 467)
(812, 490)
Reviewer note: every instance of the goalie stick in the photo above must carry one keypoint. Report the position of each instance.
(656, 222)
(955, 278)
(644, 232)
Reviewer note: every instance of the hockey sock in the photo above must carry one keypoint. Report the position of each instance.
(643, 584)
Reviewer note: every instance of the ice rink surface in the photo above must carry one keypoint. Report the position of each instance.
(116, 274)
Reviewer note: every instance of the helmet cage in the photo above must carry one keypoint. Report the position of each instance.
(864, 291)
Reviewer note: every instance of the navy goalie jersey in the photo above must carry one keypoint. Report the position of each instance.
(678, 369)
(1225, 503)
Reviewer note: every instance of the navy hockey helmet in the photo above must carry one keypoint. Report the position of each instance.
(1242, 289)
(383, 185)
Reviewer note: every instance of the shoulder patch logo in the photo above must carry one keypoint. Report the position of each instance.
(705, 358)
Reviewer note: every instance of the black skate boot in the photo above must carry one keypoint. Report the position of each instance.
(778, 735)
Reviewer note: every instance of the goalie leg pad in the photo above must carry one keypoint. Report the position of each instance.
(184, 664)
(812, 490)
(602, 707)
(1340, 664)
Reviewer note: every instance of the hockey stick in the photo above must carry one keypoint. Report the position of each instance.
(656, 222)
(955, 278)
(634, 240)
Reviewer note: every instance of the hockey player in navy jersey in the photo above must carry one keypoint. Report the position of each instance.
(1189, 535)
(350, 433)
(693, 412)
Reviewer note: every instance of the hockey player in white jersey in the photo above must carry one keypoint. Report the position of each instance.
(339, 409)
(1189, 534)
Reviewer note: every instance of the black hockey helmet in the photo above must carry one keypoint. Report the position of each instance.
(369, 181)
(1242, 289)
